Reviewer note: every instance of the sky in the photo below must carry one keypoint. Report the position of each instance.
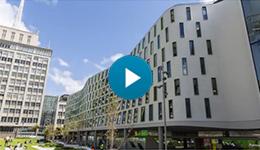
(86, 36)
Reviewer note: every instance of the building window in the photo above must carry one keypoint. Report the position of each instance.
(169, 69)
(140, 101)
(174, 49)
(163, 54)
(198, 29)
(209, 47)
(151, 47)
(188, 107)
(214, 86)
(158, 42)
(159, 71)
(170, 109)
(143, 43)
(192, 49)
(29, 39)
(204, 13)
(135, 115)
(149, 36)
(151, 112)
(154, 30)
(155, 93)
(207, 108)
(161, 23)
(165, 93)
(177, 87)
(181, 26)
(4, 34)
(147, 97)
(21, 38)
(160, 111)
(145, 52)
(202, 66)
(172, 15)
(143, 114)
(167, 34)
(12, 36)
(188, 13)
(184, 66)
(154, 60)
(195, 86)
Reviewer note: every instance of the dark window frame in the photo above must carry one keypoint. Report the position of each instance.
(188, 107)
(177, 87)
(181, 28)
(207, 108)
(188, 13)
(198, 29)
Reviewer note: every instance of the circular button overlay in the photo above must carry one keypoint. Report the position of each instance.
(130, 77)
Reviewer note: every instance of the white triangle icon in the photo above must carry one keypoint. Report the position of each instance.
(130, 77)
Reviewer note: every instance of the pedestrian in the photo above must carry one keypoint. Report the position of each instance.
(92, 147)
(6, 142)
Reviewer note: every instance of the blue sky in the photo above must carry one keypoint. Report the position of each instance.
(88, 35)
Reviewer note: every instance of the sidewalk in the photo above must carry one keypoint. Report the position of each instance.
(73, 146)
(42, 148)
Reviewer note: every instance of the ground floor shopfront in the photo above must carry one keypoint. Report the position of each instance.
(177, 138)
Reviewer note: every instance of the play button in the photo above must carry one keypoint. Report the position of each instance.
(130, 77)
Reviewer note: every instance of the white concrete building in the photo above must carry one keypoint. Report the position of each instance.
(23, 71)
(211, 53)
(60, 111)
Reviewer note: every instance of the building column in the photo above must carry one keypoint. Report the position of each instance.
(125, 138)
(95, 138)
(86, 134)
(160, 137)
(78, 137)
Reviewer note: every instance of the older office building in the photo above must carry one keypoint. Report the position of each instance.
(60, 111)
(23, 71)
(210, 52)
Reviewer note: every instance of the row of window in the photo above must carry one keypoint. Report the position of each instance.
(188, 14)
(21, 36)
(175, 51)
(31, 112)
(10, 119)
(181, 28)
(206, 104)
(126, 116)
(177, 86)
(184, 68)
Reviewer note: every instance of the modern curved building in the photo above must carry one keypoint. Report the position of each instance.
(211, 52)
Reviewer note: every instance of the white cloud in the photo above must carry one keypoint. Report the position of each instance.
(207, 1)
(63, 62)
(85, 60)
(48, 2)
(105, 63)
(8, 14)
(64, 78)
(99, 67)
(111, 59)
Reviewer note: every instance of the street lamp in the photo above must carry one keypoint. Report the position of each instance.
(165, 76)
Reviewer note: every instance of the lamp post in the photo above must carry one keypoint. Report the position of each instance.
(165, 76)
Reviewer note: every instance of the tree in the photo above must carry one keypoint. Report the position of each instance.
(35, 129)
(58, 132)
(49, 132)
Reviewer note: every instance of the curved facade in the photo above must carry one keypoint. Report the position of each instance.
(212, 79)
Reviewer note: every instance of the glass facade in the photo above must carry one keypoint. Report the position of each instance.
(252, 18)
